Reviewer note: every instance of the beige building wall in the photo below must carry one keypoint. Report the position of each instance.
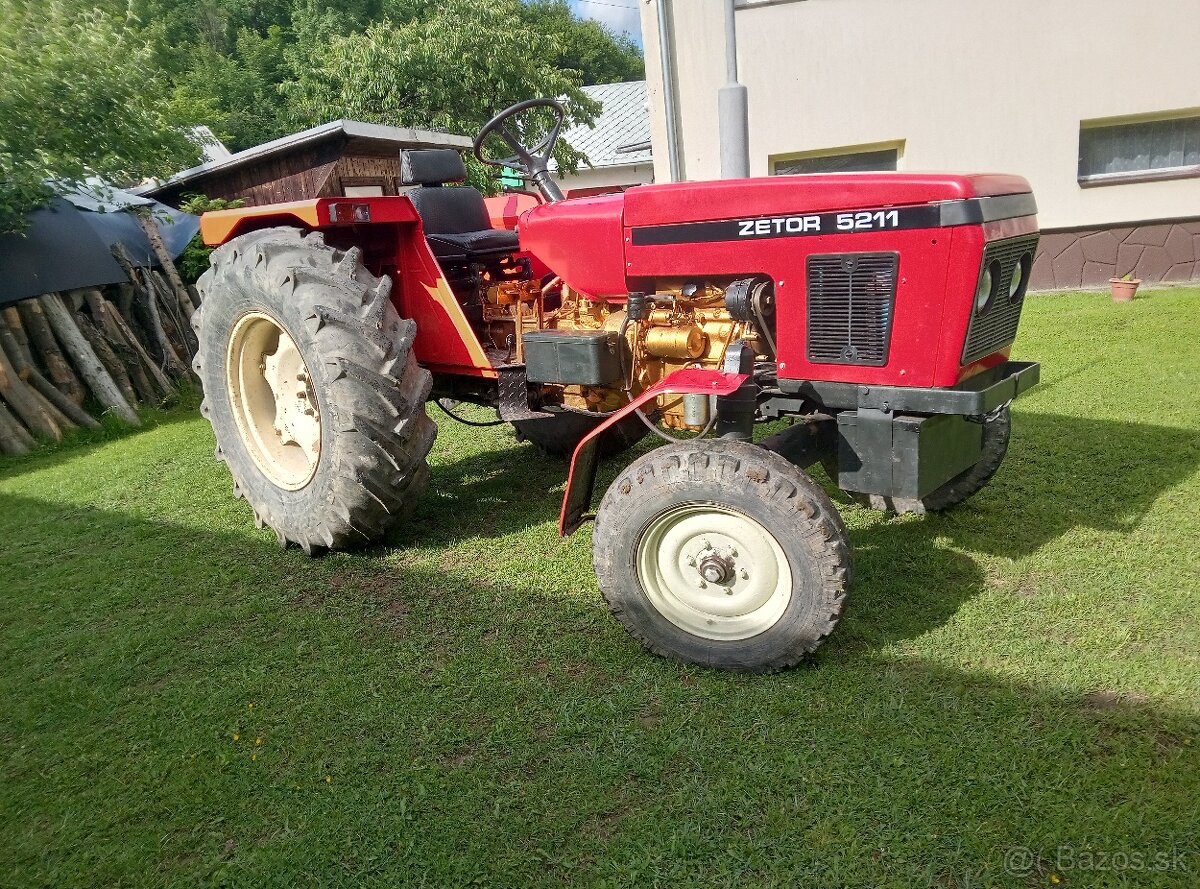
(602, 177)
(962, 85)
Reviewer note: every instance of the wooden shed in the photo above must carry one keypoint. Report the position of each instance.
(342, 157)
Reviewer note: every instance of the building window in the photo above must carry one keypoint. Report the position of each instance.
(855, 162)
(1146, 150)
(365, 186)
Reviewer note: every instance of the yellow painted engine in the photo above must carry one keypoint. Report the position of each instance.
(681, 325)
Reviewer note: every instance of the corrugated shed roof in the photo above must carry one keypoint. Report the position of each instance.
(624, 120)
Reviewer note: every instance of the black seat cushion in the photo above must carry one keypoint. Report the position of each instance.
(457, 224)
(468, 244)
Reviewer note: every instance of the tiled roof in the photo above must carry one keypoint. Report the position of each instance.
(624, 119)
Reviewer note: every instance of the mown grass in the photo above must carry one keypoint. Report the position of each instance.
(182, 703)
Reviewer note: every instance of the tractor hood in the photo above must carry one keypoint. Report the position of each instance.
(591, 242)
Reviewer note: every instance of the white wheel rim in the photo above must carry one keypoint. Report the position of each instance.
(273, 401)
(713, 571)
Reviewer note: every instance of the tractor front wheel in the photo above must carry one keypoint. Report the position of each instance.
(315, 398)
(722, 554)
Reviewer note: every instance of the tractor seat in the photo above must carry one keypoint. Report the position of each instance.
(455, 219)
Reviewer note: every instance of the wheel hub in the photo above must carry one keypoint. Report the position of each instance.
(714, 571)
(273, 400)
(716, 568)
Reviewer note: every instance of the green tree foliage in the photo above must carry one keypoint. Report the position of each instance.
(79, 96)
(586, 46)
(112, 91)
(193, 262)
(256, 71)
(451, 70)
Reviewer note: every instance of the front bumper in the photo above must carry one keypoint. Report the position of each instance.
(979, 395)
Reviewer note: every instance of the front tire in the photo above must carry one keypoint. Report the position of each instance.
(722, 554)
(315, 398)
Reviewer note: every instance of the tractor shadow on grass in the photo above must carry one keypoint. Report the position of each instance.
(912, 573)
(1062, 473)
(551, 748)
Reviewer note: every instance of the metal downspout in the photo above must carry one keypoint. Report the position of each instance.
(733, 107)
(666, 61)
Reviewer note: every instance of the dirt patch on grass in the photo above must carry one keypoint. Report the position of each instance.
(1108, 699)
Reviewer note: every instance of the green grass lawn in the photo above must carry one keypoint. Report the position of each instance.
(183, 703)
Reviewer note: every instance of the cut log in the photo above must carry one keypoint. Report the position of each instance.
(61, 420)
(70, 409)
(46, 349)
(161, 382)
(103, 386)
(12, 318)
(23, 366)
(177, 327)
(103, 315)
(14, 438)
(179, 292)
(125, 300)
(183, 320)
(25, 402)
(134, 302)
(172, 363)
(19, 359)
(106, 355)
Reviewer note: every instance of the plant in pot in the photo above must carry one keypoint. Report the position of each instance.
(1124, 288)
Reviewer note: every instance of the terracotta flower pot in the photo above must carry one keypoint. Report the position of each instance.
(1123, 290)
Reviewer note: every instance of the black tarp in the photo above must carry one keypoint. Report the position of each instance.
(68, 243)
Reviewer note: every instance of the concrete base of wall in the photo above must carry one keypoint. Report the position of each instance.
(1079, 258)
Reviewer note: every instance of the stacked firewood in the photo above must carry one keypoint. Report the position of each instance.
(68, 358)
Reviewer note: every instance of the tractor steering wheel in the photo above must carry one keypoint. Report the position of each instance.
(533, 162)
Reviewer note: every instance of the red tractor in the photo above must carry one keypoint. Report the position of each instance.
(876, 311)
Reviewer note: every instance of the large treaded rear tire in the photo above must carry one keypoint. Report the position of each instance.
(370, 392)
(733, 479)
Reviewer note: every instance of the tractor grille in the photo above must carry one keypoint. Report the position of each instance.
(996, 326)
(851, 298)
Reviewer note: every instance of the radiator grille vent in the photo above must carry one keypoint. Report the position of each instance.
(851, 299)
(996, 327)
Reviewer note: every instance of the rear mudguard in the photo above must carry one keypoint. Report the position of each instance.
(581, 482)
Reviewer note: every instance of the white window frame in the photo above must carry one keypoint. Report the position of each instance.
(1152, 174)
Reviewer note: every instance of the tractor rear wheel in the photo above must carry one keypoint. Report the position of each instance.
(558, 435)
(722, 554)
(315, 398)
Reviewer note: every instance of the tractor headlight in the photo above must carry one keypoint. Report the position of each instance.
(987, 284)
(1020, 278)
